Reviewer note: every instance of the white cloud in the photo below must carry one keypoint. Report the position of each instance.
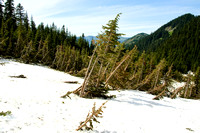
(36, 6)
(47, 7)
(78, 16)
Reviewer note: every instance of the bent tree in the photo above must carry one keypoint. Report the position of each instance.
(108, 56)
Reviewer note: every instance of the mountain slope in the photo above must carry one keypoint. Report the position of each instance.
(182, 49)
(177, 41)
(129, 43)
(154, 40)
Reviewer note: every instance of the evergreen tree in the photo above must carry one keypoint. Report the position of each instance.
(26, 21)
(20, 35)
(196, 89)
(10, 26)
(105, 62)
(1, 13)
(9, 11)
(33, 28)
(63, 35)
(20, 15)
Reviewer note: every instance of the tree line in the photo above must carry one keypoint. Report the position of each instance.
(56, 47)
(106, 64)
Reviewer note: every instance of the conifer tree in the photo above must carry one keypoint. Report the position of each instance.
(33, 28)
(20, 15)
(109, 47)
(9, 11)
(109, 57)
(1, 13)
(153, 79)
(196, 89)
(26, 21)
(21, 41)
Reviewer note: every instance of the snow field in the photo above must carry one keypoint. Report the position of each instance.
(36, 106)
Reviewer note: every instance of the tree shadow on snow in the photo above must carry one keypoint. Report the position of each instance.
(105, 131)
(142, 102)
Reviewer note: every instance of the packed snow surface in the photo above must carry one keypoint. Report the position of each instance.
(36, 106)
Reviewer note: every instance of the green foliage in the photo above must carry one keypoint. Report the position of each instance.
(5, 113)
(106, 55)
(177, 42)
(196, 90)
(100, 92)
(20, 15)
(9, 11)
(129, 43)
(153, 41)
(188, 87)
(48, 45)
(182, 48)
(177, 76)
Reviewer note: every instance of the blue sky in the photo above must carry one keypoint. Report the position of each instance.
(88, 16)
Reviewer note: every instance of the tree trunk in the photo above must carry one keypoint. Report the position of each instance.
(63, 61)
(87, 72)
(176, 92)
(141, 73)
(98, 80)
(127, 65)
(157, 77)
(45, 56)
(187, 88)
(111, 74)
(159, 95)
(104, 72)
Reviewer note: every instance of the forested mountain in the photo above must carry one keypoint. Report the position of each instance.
(57, 47)
(182, 49)
(129, 43)
(177, 41)
(154, 40)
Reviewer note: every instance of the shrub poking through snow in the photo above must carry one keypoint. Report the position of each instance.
(19, 76)
(2, 64)
(92, 117)
(5, 113)
(71, 82)
(91, 92)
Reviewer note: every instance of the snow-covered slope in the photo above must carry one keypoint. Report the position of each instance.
(36, 106)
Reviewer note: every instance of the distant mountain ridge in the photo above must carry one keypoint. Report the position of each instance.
(90, 38)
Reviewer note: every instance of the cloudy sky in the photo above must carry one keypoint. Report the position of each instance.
(88, 16)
